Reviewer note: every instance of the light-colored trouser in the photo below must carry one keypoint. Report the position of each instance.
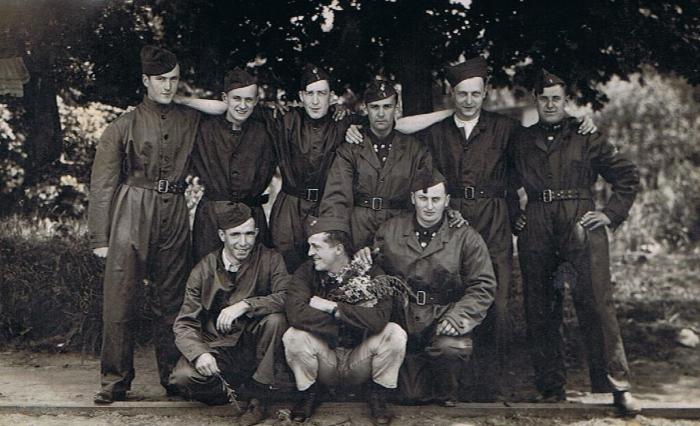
(379, 357)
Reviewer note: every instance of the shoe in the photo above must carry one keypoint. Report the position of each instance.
(377, 406)
(626, 403)
(107, 397)
(306, 406)
(255, 413)
(172, 391)
(551, 396)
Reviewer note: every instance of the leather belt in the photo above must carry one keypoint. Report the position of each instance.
(308, 194)
(474, 192)
(248, 201)
(549, 195)
(161, 186)
(378, 203)
(422, 297)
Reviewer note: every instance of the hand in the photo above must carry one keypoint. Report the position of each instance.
(101, 251)
(340, 112)
(353, 134)
(455, 219)
(444, 328)
(206, 365)
(278, 108)
(520, 223)
(593, 220)
(363, 256)
(224, 323)
(322, 304)
(587, 126)
(179, 99)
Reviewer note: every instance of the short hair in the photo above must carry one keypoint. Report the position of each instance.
(340, 237)
(539, 89)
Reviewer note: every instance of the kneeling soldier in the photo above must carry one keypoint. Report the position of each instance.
(333, 341)
(557, 167)
(450, 275)
(231, 323)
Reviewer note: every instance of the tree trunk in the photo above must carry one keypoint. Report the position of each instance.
(412, 63)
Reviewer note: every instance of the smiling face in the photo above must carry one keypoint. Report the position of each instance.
(161, 88)
(431, 204)
(240, 103)
(551, 104)
(240, 240)
(468, 97)
(327, 255)
(316, 98)
(381, 115)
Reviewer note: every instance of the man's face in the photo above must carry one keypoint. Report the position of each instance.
(430, 204)
(161, 88)
(240, 103)
(323, 253)
(239, 241)
(468, 96)
(316, 98)
(381, 115)
(551, 104)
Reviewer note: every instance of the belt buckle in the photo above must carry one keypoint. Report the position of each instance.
(377, 203)
(421, 297)
(162, 186)
(312, 194)
(547, 196)
(469, 193)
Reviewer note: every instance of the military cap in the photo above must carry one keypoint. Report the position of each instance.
(312, 74)
(315, 225)
(474, 67)
(230, 214)
(237, 78)
(547, 79)
(427, 178)
(156, 60)
(378, 90)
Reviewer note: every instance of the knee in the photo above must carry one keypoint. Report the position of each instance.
(275, 322)
(452, 347)
(296, 341)
(183, 375)
(394, 337)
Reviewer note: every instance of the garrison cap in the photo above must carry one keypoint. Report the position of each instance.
(237, 78)
(311, 74)
(378, 90)
(547, 79)
(156, 60)
(474, 67)
(427, 178)
(316, 225)
(230, 214)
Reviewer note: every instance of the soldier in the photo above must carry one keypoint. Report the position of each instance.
(138, 219)
(557, 168)
(452, 281)
(335, 342)
(231, 322)
(234, 159)
(472, 148)
(369, 182)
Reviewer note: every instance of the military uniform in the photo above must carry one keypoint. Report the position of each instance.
(232, 166)
(250, 350)
(453, 280)
(137, 209)
(557, 168)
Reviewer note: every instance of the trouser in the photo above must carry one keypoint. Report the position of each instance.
(431, 371)
(157, 248)
(543, 249)
(379, 357)
(205, 232)
(287, 228)
(253, 357)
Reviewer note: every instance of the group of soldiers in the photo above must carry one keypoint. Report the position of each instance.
(431, 199)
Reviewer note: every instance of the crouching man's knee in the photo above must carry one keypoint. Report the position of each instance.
(194, 385)
(297, 342)
(450, 347)
(393, 338)
(275, 322)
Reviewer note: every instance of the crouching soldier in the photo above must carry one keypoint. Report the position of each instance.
(231, 323)
(452, 285)
(333, 341)
(557, 167)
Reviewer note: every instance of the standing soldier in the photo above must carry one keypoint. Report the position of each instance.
(234, 159)
(557, 168)
(138, 219)
(369, 182)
